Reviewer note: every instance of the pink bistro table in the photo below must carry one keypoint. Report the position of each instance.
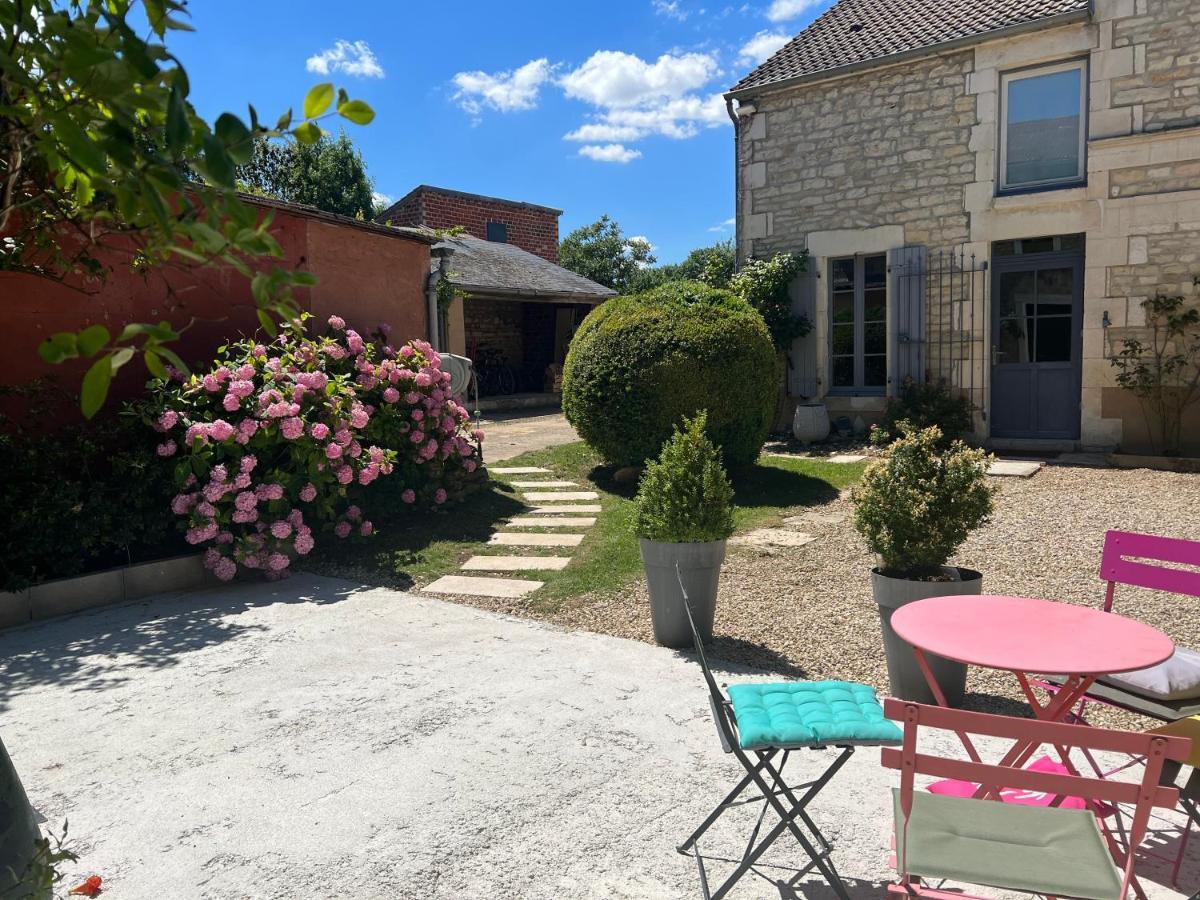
(1027, 636)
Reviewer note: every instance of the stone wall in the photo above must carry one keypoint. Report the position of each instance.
(1163, 37)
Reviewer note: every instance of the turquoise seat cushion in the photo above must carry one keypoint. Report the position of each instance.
(807, 713)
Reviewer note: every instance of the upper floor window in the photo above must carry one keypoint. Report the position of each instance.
(858, 324)
(1043, 126)
(498, 232)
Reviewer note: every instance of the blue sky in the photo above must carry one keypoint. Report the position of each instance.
(591, 106)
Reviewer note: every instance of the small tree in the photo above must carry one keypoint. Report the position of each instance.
(602, 253)
(329, 174)
(916, 505)
(1163, 373)
(684, 496)
(764, 284)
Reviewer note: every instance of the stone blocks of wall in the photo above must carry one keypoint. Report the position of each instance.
(1162, 86)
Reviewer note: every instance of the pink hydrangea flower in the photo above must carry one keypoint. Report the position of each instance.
(353, 513)
(355, 342)
(304, 543)
(439, 496)
(308, 493)
(277, 562)
(366, 528)
(281, 529)
(391, 395)
(359, 416)
(333, 451)
(423, 379)
(412, 398)
(292, 428)
(337, 323)
(167, 420)
(342, 529)
(246, 500)
(166, 449)
(406, 351)
(221, 430)
(344, 474)
(418, 415)
(269, 491)
(409, 496)
(244, 372)
(231, 403)
(211, 383)
(225, 569)
(319, 430)
(241, 388)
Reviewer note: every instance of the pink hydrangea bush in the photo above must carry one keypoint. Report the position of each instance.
(281, 442)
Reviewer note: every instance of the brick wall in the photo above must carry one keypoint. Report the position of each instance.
(532, 228)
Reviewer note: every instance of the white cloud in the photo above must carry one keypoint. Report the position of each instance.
(610, 153)
(670, 9)
(508, 91)
(782, 10)
(382, 199)
(347, 57)
(680, 119)
(724, 226)
(760, 47)
(612, 78)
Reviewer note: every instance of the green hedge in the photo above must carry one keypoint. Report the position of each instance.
(640, 364)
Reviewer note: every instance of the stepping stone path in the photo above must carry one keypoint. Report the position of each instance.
(1015, 468)
(546, 508)
(772, 537)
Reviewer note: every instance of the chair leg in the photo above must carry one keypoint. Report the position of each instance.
(686, 847)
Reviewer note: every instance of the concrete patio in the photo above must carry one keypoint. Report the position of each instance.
(313, 738)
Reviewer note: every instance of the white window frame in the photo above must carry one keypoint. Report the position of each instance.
(859, 388)
(1007, 78)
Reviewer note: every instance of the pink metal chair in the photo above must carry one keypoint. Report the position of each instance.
(1039, 849)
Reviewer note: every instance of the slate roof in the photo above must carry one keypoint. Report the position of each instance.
(489, 267)
(854, 32)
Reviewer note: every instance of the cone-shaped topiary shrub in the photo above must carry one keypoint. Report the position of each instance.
(684, 497)
(639, 364)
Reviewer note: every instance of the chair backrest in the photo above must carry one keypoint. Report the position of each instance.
(1124, 561)
(1143, 795)
(460, 369)
(717, 697)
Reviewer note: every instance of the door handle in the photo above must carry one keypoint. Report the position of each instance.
(997, 353)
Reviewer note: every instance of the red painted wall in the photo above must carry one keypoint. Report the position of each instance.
(365, 276)
(532, 228)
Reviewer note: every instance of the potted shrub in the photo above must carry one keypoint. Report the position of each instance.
(915, 506)
(683, 514)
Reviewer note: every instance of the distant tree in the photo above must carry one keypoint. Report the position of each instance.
(602, 253)
(710, 265)
(329, 174)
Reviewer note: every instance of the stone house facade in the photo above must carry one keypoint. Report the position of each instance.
(987, 192)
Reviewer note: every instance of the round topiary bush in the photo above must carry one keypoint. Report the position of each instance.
(640, 364)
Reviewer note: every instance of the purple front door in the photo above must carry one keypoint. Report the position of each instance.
(1037, 345)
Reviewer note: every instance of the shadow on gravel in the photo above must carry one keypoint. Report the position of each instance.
(770, 486)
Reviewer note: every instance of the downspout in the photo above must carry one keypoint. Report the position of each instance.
(443, 255)
(737, 183)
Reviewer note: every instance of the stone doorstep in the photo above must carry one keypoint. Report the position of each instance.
(543, 484)
(552, 522)
(69, 595)
(515, 563)
(477, 586)
(565, 508)
(551, 496)
(772, 537)
(846, 458)
(1014, 468)
(512, 539)
(519, 470)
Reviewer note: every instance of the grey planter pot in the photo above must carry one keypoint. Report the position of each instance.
(904, 674)
(700, 568)
(18, 834)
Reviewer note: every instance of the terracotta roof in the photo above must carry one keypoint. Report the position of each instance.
(492, 268)
(858, 32)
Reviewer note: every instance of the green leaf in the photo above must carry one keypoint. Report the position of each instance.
(179, 129)
(91, 339)
(173, 358)
(318, 99)
(357, 111)
(79, 148)
(95, 387)
(216, 161)
(58, 347)
(120, 357)
(155, 365)
(268, 324)
(285, 121)
(236, 138)
(307, 133)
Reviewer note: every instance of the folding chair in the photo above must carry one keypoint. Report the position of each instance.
(761, 724)
(1039, 849)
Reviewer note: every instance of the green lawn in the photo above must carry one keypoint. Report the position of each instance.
(415, 550)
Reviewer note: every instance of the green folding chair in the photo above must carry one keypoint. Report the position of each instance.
(761, 724)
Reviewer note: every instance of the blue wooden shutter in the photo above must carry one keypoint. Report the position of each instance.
(802, 377)
(908, 269)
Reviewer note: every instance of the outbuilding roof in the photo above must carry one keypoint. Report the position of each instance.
(493, 268)
(864, 32)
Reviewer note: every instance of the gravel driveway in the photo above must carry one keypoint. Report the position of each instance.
(808, 612)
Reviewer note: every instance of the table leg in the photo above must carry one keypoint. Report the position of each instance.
(940, 697)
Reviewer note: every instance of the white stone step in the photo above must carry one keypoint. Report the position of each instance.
(552, 522)
(519, 470)
(477, 586)
(515, 539)
(515, 563)
(565, 508)
(846, 458)
(543, 484)
(772, 537)
(552, 496)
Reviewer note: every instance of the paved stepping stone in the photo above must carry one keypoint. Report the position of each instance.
(519, 470)
(816, 518)
(551, 496)
(515, 563)
(847, 458)
(565, 508)
(772, 537)
(476, 586)
(543, 484)
(511, 539)
(1015, 468)
(552, 522)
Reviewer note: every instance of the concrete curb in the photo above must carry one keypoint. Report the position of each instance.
(71, 595)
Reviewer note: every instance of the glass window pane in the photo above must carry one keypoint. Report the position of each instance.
(875, 306)
(842, 276)
(1055, 291)
(843, 306)
(843, 339)
(843, 371)
(1042, 118)
(1016, 294)
(1054, 340)
(875, 337)
(874, 271)
(1015, 341)
(874, 371)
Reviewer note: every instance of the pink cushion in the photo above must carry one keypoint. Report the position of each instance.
(952, 787)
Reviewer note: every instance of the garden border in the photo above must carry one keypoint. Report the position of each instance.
(64, 596)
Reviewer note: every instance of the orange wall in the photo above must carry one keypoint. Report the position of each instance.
(364, 276)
